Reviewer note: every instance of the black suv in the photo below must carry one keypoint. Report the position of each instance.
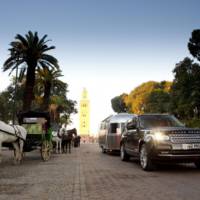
(159, 137)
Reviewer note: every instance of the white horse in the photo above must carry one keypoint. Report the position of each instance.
(58, 141)
(13, 134)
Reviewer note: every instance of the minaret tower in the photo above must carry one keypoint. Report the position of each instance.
(84, 115)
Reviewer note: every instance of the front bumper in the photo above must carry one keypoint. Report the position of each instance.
(169, 151)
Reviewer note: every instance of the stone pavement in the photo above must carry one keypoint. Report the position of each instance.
(87, 174)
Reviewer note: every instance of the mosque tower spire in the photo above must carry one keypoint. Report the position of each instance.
(84, 115)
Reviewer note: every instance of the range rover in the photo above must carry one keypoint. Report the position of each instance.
(159, 137)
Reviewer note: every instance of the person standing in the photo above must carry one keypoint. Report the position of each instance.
(63, 135)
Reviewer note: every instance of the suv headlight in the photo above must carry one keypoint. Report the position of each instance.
(159, 136)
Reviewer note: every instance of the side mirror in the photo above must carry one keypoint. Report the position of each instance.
(131, 125)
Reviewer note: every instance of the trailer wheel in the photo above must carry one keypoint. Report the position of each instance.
(103, 150)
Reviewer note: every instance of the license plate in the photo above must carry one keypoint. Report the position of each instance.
(190, 146)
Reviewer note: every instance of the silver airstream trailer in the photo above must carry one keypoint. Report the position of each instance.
(110, 131)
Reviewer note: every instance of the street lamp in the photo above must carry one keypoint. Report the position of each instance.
(15, 93)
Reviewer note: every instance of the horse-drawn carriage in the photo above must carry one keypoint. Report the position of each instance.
(34, 132)
(39, 133)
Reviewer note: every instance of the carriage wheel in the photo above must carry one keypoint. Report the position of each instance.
(46, 150)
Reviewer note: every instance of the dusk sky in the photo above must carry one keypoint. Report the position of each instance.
(106, 46)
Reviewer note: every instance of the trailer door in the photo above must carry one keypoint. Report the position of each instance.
(113, 136)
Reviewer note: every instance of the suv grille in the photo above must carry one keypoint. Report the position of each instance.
(185, 138)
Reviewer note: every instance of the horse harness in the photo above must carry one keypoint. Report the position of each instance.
(17, 132)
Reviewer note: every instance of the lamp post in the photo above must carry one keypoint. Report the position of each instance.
(15, 93)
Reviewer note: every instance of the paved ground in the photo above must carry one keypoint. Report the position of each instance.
(86, 174)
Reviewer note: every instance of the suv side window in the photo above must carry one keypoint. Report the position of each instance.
(135, 121)
(133, 124)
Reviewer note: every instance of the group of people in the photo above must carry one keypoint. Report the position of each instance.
(65, 138)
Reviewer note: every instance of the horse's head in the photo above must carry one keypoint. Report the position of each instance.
(72, 131)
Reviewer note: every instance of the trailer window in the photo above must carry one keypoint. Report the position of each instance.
(103, 126)
(113, 127)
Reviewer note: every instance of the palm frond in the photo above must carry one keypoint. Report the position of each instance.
(48, 48)
(9, 60)
(41, 42)
(14, 67)
(36, 39)
(22, 74)
(50, 59)
(21, 39)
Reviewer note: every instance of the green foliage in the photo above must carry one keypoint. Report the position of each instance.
(58, 101)
(185, 92)
(149, 97)
(194, 44)
(7, 98)
(157, 102)
(193, 123)
(118, 104)
(5, 106)
(30, 52)
(68, 109)
(48, 84)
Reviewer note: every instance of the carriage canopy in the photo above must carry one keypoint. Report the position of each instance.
(32, 117)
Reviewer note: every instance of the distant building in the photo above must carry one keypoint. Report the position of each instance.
(84, 115)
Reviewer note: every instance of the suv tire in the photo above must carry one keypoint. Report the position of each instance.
(145, 159)
(123, 155)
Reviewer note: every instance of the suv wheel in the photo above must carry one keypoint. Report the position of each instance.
(145, 159)
(197, 164)
(124, 156)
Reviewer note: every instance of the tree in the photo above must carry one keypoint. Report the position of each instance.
(60, 104)
(157, 102)
(5, 106)
(185, 92)
(150, 96)
(31, 52)
(48, 83)
(137, 97)
(7, 98)
(194, 44)
(118, 104)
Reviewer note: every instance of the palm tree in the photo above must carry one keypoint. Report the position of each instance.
(60, 104)
(48, 84)
(30, 51)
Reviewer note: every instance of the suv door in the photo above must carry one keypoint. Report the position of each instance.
(130, 136)
(136, 135)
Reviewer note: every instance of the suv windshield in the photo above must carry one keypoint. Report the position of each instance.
(153, 121)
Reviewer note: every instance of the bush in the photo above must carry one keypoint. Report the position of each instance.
(193, 123)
